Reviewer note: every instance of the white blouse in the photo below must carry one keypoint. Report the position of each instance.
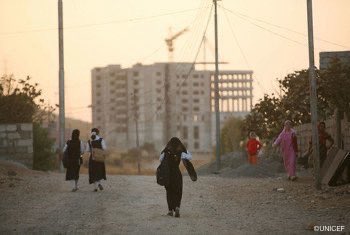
(103, 143)
(184, 155)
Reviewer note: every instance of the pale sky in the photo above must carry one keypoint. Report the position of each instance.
(270, 35)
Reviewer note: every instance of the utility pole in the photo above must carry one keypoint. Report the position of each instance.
(204, 52)
(338, 115)
(167, 107)
(217, 111)
(61, 80)
(313, 97)
(136, 118)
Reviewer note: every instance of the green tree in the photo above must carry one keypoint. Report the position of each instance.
(231, 135)
(20, 102)
(44, 156)
(334, 86)
(267, 116)
(295, 101)
(17, 100)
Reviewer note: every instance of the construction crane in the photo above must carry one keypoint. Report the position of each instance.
(169, 42)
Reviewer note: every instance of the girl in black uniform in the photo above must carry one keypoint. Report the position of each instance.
(173, 153)
(97, 170)
(75, 149)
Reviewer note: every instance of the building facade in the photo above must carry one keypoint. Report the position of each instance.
(152, 103)
(327, 57)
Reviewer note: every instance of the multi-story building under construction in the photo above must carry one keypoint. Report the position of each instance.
(165, 100)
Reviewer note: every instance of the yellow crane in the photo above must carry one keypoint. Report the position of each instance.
(170, 44)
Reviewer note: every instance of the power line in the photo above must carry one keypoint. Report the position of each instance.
(186, 48)
(178, 66)
(241, 50)
(184, 78)
(188, 45)
(266, 29)
(97, 24)
(150, 55)
(196, 29)
(196, 55)
(285, 28)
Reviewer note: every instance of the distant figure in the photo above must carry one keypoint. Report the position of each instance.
(75, 149)
(172, 154)
(287, 140)
(323, 137)
(97, 169)
(253, 147)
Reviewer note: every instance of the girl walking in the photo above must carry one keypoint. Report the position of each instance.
(287, 140)
(97, 169)
(172, 154)
(253, 147)
(75, 149)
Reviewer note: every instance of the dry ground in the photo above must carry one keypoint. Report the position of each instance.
(41, 203)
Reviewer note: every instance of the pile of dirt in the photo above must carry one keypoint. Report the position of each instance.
(265, 168)
(6, 166)
(235, 165)
(226, 161)
(12, 173)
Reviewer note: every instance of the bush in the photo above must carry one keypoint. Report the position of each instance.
(44, 156)
(231, 136)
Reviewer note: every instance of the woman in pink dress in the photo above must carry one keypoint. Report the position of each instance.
(287, 140)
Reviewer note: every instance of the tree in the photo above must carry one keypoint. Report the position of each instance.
(334, 85)
(295, 101)
(17, 100)
(268, 115)
(265, 118)
(43, 157)
(20, 102)
(231, 135)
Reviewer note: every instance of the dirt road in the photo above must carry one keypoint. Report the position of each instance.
(42, 203)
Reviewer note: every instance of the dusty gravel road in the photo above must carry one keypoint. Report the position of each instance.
(42, 203)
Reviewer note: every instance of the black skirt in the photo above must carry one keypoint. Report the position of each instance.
(97, 171)
(174, 189)
(73, 169)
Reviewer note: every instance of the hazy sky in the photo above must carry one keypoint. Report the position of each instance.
(266, 36)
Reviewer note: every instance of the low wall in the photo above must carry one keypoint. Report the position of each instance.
(16, 143)
(304, 133)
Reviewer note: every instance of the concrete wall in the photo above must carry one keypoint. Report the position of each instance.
(327, 57)
(304, 133)
(16, 143)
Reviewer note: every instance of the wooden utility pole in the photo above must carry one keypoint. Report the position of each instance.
(313, 98)
(61, 79)
(217, 111)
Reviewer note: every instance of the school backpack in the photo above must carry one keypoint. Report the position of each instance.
(162, 173)
(68, 155)
(65, 157)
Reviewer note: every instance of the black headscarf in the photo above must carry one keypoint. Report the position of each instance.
(74, 144)
(75, 135)
(175, 146)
